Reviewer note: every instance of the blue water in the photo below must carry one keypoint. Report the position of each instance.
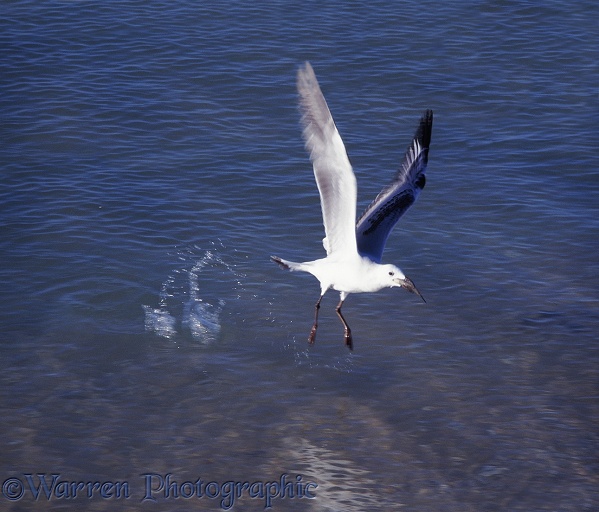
(152, 161)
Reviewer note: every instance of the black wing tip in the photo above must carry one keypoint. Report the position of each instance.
(425, 129)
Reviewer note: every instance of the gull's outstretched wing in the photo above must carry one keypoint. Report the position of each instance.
(375, 224)
(332, 169)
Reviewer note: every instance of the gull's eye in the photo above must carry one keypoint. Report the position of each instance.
(391, 273)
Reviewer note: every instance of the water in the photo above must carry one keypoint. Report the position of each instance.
(152, 161)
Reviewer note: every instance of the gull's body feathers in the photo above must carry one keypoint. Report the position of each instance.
(357, 274)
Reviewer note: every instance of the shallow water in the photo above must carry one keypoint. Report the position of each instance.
(152, 162)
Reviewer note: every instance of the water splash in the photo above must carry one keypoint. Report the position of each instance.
(201, 317)
(159, 321)
(191, 299)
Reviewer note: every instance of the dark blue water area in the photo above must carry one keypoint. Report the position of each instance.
(152, 161)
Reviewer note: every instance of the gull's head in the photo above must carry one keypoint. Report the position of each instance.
(397, 278)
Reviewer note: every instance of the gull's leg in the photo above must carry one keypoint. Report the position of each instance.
(348, 338)
(312, 336)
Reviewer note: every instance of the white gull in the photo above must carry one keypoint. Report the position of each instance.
(354, 251)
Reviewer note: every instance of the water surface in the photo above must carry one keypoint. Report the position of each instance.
(152, 161)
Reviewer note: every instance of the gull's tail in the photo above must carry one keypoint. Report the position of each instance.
(287, 265)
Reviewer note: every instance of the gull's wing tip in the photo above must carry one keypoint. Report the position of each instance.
(305, 74)
(306, 66)
(425, 129)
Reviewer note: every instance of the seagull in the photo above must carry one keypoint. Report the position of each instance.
(354, 250)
